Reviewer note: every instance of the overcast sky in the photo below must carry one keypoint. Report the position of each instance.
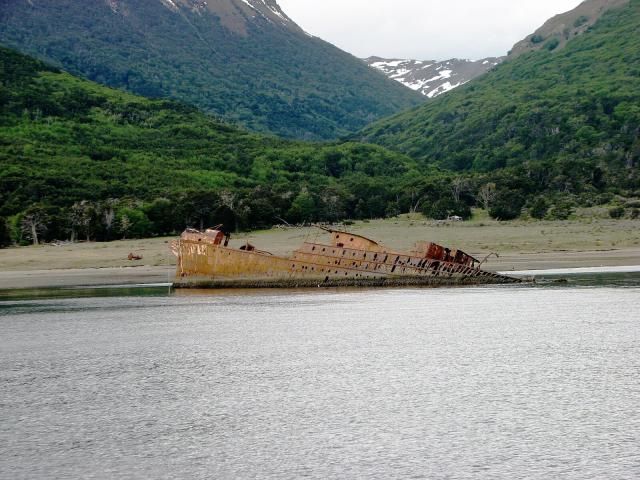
(424, 29)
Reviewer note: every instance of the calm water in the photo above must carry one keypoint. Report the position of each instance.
(533, 382)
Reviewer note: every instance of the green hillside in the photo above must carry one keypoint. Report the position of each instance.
(223, 57)
(84, 156)
(571, 116)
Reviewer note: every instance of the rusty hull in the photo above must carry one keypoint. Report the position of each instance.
(206, 261)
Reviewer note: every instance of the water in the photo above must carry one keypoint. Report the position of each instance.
(498, 382)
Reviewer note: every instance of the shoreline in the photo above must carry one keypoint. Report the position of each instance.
(85, 277)
(163, 274)
(521, 246)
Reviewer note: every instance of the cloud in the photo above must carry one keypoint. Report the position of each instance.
(424, 29)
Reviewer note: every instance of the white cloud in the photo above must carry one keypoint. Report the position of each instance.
(424, 29)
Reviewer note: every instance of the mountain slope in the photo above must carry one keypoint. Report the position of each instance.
(243, 60)
(562, 28)
(66, 140)
(431, 77)
(577, 103)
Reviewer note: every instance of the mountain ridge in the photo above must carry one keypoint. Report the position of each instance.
(558, 30)
(571, 105)
(242, 60)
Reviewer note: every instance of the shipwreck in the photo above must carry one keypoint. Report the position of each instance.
(344, 259)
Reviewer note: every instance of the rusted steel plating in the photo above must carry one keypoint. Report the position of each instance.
(348, 259)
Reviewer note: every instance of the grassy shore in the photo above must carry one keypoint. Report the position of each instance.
(522, 245)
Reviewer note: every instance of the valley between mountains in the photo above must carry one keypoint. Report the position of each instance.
(125, 118)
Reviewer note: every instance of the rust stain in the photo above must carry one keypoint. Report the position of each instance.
(346, 259)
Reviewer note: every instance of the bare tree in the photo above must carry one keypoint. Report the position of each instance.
(416, 199)
(80, 217)
(486, 194)
(75, 215)
(125, 225)
(108, 216)
(459, 185)
(34, 223)
(234, 204)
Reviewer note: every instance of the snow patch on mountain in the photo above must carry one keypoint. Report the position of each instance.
(170, 5)
(430, 77)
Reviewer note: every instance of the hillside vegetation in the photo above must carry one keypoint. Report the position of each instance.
(264, 75)
(567, 118)
(81, 160)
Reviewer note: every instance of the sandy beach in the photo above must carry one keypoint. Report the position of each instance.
(520, 246)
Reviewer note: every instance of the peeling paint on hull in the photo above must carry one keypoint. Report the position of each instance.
(348, 260)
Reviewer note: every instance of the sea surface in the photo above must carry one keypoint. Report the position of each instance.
(518, 382)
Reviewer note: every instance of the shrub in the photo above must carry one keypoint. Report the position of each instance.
(537, 39)
(561, 211)
(635, 213)
(552, 44)
(507, 205)
(539, 208)
(616, 212)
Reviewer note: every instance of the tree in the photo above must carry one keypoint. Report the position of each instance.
(459, 185)
(133, 222)
(108, 216)
(161, 212)
(5, 236)
(486, 194)
(234, 204)
(507, 205)
(81, 217)
(303, 208)
(539, 208)
(124, 225)
(34, 223)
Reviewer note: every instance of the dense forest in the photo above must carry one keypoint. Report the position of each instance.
(273, 79)
(80, 160)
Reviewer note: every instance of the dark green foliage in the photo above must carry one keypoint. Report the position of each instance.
(538, 208)
(552, 44)
(133, 223)
(274, 79)
(535, 39)
(635, 213)
(5, 235)
(567, 121)
(616, 212)
(507, 205)
(160, 213)
(303, 208)
(104, 164)
(562, 210)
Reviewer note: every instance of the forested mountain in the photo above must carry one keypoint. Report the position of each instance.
(84, 157)
(579, 105)
(242, 60)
